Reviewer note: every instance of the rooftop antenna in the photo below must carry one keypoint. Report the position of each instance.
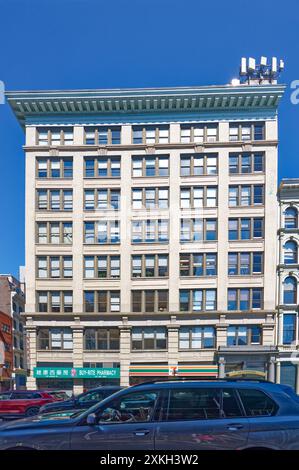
(260, 73)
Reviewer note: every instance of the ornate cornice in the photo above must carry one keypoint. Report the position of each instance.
(27, 104)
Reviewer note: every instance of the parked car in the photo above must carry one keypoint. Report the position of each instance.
(20, 403)
(82, 401)
(172, 415)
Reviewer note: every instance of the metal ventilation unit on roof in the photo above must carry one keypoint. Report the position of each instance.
(253, 73)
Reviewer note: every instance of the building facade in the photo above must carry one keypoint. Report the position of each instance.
(6, 352)
(288, 276)
(151, 220)
(12, 303)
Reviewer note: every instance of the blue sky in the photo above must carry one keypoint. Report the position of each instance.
(67, 44)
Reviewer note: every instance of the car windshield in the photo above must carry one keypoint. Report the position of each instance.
(59, 395)
(60, 415)
(94, 408)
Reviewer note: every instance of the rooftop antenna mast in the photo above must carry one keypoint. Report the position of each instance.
(253, 73)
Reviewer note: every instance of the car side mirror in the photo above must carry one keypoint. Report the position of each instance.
(91, 419)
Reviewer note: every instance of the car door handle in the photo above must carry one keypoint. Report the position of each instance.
(141, 432)
(234, 426)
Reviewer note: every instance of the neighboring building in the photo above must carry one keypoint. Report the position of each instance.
(288, 277)
(185, 286)
(12, 303)
(6, 352)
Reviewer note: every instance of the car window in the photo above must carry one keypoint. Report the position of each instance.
(92, 396)
(230, 405)
(131, 408)
(257, 403)
(25, 395)
(59, 395)
(193, 404)
(5, 396)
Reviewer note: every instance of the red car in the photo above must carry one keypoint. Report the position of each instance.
(21, 403)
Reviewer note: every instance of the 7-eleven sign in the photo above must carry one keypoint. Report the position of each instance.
(173, 370)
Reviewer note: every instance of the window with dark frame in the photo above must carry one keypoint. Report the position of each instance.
(102, 135)
(149, 300)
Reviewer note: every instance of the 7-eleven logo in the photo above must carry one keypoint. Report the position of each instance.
(173, 370)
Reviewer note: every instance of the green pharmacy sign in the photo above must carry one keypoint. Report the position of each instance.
(75, 373)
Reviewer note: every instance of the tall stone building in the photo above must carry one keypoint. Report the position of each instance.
(151, 220)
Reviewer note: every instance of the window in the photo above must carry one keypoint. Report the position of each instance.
(102, 167)
(199, 133)
(196, 337)
(55, 167)
(67, 264)
(55, 339)
(102, 199)
(54, 232)
(149, 265)
(290, 290)
(244, 163)
(42, 168)
(42, 301)
(152, 165)
(101, 339)
(102, 301)
(246, 195)
(102, 135)
(290, 218)
(150, 198)
(56, 200)
(197, 300)
(245, 229)
(150, 231)
(149, 300)
(194, 264)
(148, 338)
(199, 164)
(256, 403)
(42, 267)
(193, 230)
(55, 136)
(105, 266)
(244, 264)
(290, 252)
(245, 299)
(198, 196)
(55, 301)
(102, 232)
(246, 131)
(243, 335)
(54, 266)
(150, 135)
(289, 328)
(128, 409)
(194, 404)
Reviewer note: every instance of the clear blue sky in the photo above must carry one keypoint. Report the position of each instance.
(60, 44)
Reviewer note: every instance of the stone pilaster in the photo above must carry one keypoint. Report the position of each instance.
(31, 355)
(173, 343)
(125, 350)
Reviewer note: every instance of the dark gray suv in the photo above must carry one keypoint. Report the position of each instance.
(172, 415)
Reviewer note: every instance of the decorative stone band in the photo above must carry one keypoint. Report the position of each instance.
(198, 370)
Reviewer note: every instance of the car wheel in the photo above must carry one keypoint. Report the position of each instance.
(32, 411)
